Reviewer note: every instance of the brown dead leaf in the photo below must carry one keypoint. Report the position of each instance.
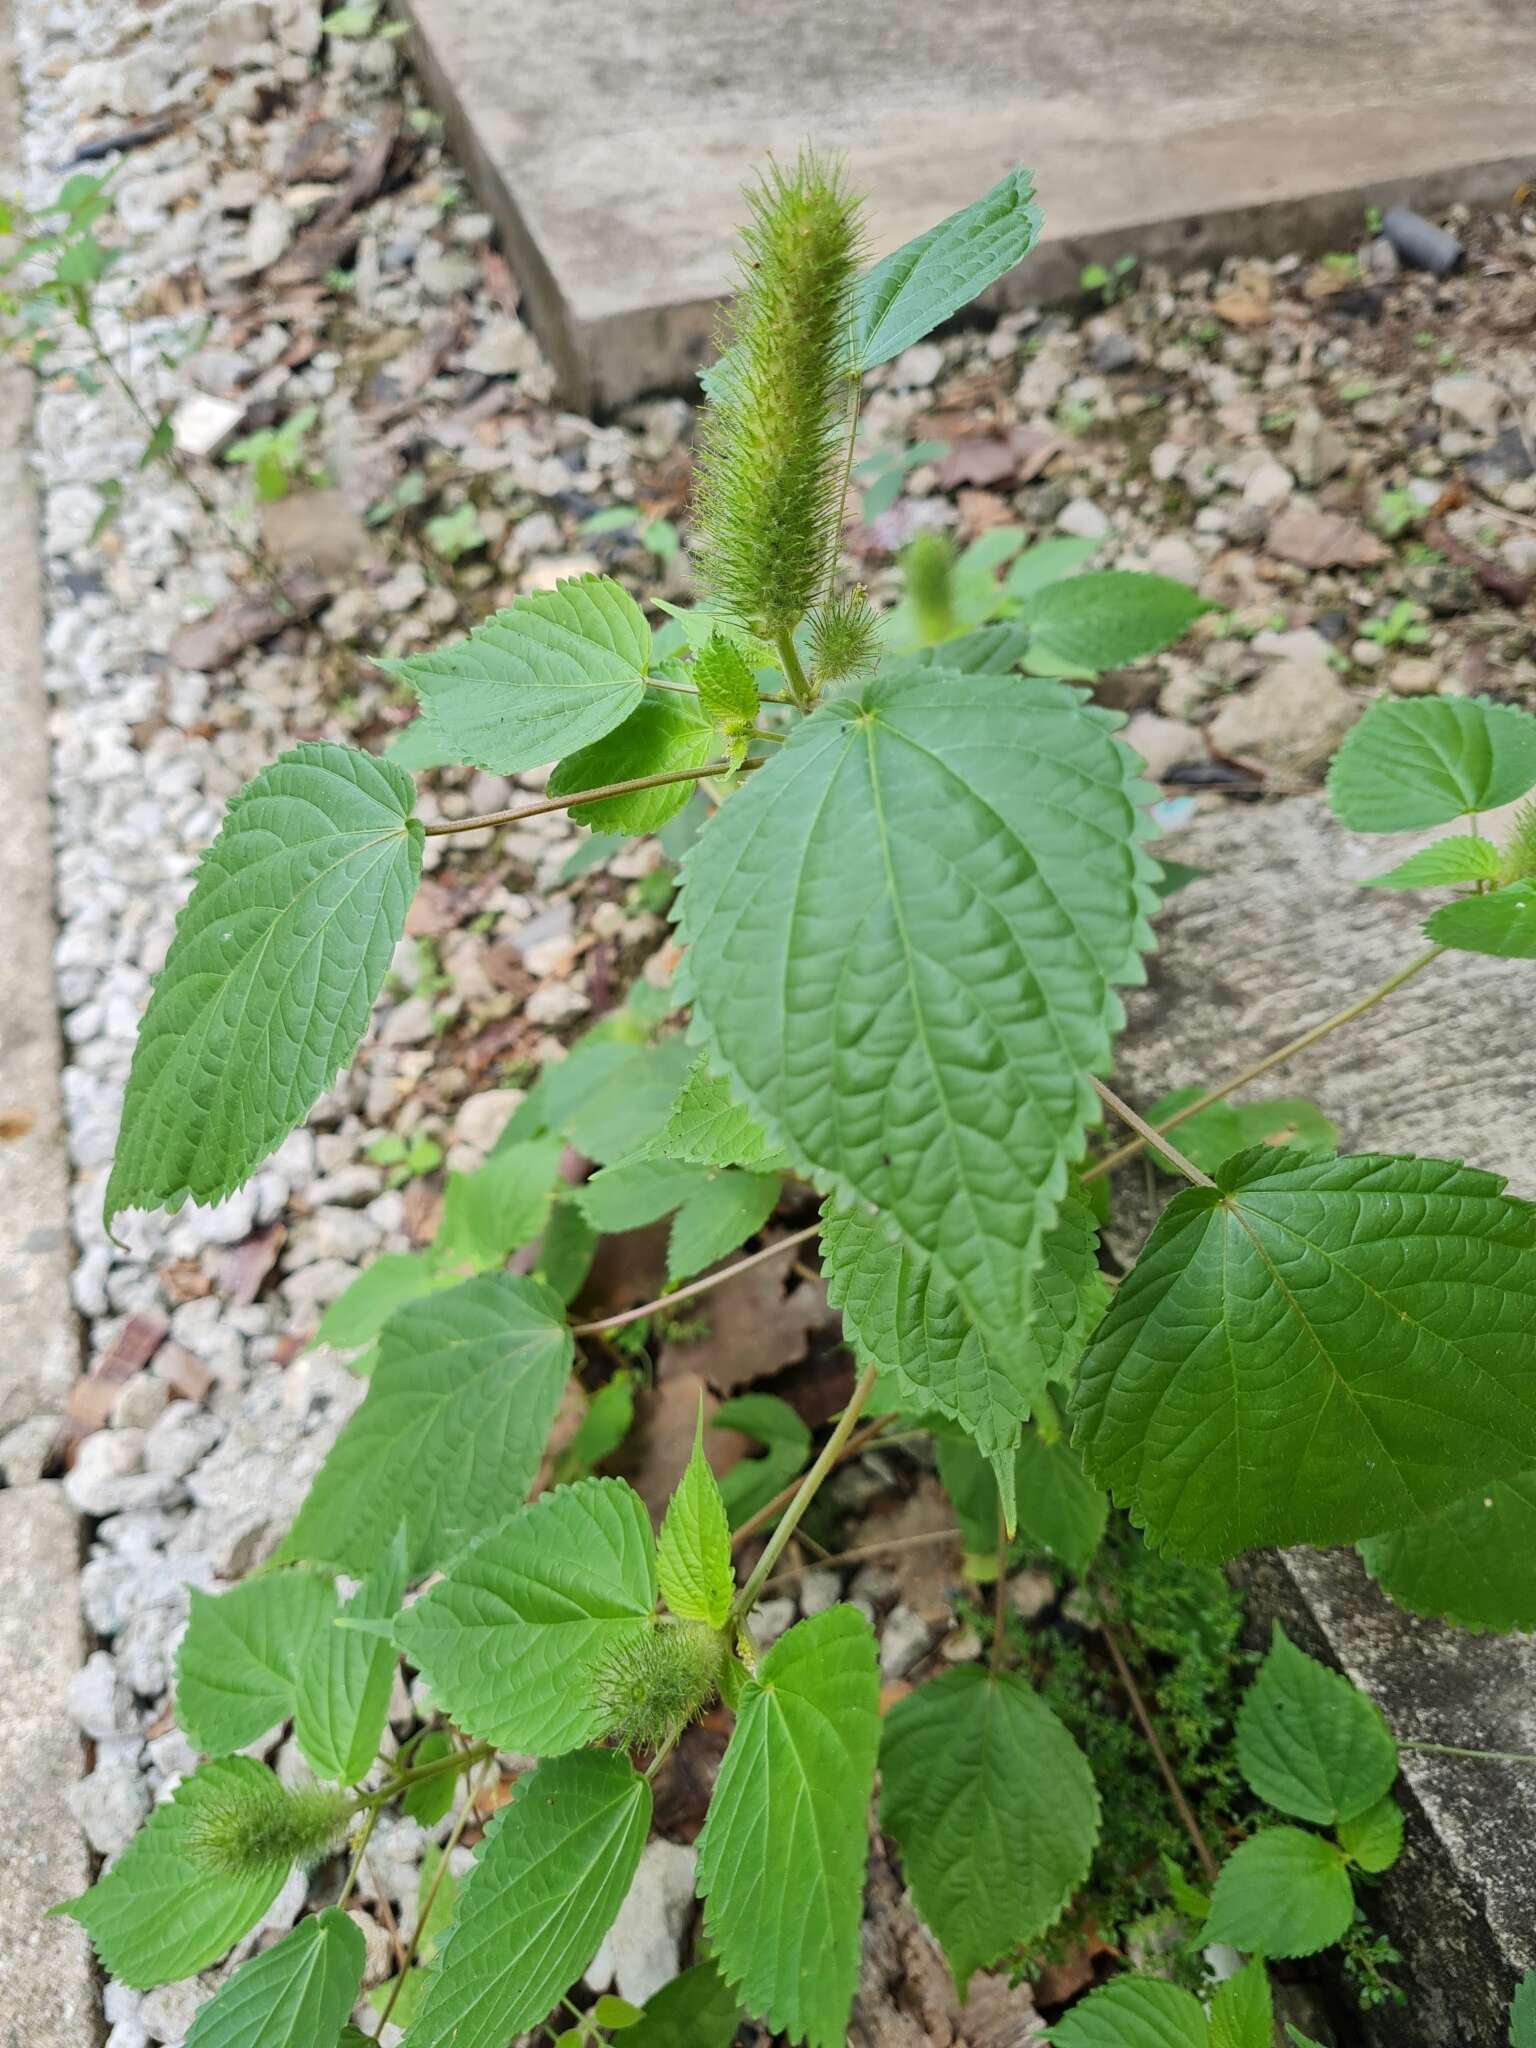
(183, 1280)
(660, 1444)
(759, 1322)
(246, 1265)
(980, 511)
(212, 643)
(1322, 540)
(1248, 299)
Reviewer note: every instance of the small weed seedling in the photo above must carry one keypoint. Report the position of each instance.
(1108, 283)
(904, 926)
(1400, 627)
(275, 456)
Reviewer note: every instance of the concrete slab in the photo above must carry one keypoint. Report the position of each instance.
(611, 143)
(1275, 938)
(48, 1996)
(42, 1352)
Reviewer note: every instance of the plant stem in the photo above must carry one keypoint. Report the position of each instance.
(173, 462)
(769, 1509)
(1171, 1153)
(1491, 1756)
(805, 1494)
(1132, 1692)
(650, 1308)
(827, 1558)
(425, 1912)
(586, 796)
(461, 1760)
(1000, 1594)
(359, 1850)
(1271, 1060)
(842, 497)
(789, 657)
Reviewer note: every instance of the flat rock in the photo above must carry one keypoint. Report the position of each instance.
(1161, 130)
(47, 1982)
(1292, 719)
(1276, 936)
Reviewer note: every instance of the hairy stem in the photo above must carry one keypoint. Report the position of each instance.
(805, 1493)
(1490, 1756)
(789, 656)
(173, 462)
(461, 1760)
(1000, 1594)
(425, 1912)
(1271, 1060)
(1139, 1708)
(585, 796)
(650, 1308)
(1155, 1139)
(359, 1850)
(769, 1509)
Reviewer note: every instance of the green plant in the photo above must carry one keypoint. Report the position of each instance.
(1400, 627)
(456, 533)
(659, 535)
(1396, 513)
(276, 457)
(883, 474)
(1108, 283)
(904, 926)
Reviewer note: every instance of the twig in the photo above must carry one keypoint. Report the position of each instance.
(1491, 1756)
(1000, 1594)
(1271, 1060)
(1132, 1692)
(359, 1851)
(650, 1308)
(425, 1912)
(1155, 1139)
(587, 796)
(829, 1558)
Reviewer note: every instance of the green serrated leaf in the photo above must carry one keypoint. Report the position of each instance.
(1503, 923)
(635, 1192)
(499, 1207)
(547, 1881)
(1283, 1892)
(661, 734)
(551, 673)
(566, 1250)
(360, 1311)
(1408, 765)
(449, 1435)
(342, 1679)
(619, 1103)
(988, 651)
(1374, 1838)
(706, 1128)
(266, 991)
(901, 1314)
(1058, 1506)
(514, 1635)
(1314, 1351)
(841, 989)
(727, 685)
(918, 286)
(1133, 2012)
(416, 748)
(161, 1912)
(609, 1417)
(1462, 858)
(693, 1556)
(1215, 1134)
(1308, 1742)
(437, 1898)
(236, 1664)
(295, 1994)
(1522, 2014)
(719, 1217)
(432, 1798)
(1473, 1564)
(696, 2010)
(1107, 618)
(972, 1764)
(785, 1840)
(753, 1482)
(1242, 2010)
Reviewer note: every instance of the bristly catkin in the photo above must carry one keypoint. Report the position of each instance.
(845, 637)
(259, 1824)
(658, 1682)
(769, 460)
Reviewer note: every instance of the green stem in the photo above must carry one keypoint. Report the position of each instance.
(586, 796)
(173, 462)
(360, 1849)
(789, 658)
(1171, 1153)
(842, 497)
(1491, 1756)
(1000, 1594)
(805, 1494)
(1271, 1060)
(425, 1912)
(445, 1766)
